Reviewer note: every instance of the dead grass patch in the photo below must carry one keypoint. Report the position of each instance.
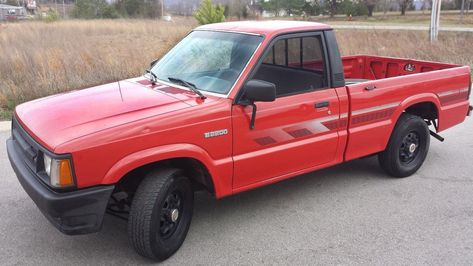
(38, 59)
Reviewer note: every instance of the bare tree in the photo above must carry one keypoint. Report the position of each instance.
(462, 12)
(273, 6)
(239, 8)
(404, 4)
(424, 5)
(370, 4)
(385, 7)
(333, 7)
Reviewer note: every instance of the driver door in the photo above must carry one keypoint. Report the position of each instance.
(296, 131)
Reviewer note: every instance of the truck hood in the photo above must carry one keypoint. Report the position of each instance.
(60, 118)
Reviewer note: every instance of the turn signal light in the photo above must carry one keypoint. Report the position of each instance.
(65, 174)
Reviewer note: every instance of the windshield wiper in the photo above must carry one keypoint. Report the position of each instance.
(153, 78)
(189, 85)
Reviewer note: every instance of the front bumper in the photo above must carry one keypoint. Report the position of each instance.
(73, 213)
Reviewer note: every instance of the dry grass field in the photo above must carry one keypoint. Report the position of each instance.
(39, 59)
(450, 48)
(447, 18)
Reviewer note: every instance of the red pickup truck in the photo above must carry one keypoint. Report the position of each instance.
(232, 107)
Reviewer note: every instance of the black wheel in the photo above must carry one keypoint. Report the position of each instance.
(407, 147)
(160, 214)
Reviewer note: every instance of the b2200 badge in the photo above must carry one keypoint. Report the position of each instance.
(216, 133)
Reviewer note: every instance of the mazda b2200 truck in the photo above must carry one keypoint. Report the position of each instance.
(232, 107)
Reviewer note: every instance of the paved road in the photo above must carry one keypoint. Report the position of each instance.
(399, 27)
(349, 214)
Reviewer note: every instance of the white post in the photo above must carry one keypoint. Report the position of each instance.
(162, 9)
(462, 11)
(63, 9)
(439, 5)
(432, 19)
(435, 20)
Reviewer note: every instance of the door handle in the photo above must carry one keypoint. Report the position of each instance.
(322, 104)
(370, 87)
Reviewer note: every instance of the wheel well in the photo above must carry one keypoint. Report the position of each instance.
(426, 110)
(192, 168)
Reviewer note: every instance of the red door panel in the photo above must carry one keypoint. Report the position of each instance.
(290, 134)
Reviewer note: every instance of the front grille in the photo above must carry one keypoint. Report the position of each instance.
(28, 147)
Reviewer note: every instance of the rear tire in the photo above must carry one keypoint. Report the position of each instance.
(407, 147)
(160, 214)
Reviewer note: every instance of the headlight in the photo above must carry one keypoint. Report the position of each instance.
(47, 164)
(59, 171)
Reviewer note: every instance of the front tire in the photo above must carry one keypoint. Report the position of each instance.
(161, 214)
(407, 147)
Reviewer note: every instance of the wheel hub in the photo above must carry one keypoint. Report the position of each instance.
(412, 148)
(170, 214)
(408, 150)
(174, 215)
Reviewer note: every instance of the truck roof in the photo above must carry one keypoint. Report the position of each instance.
(267, 27)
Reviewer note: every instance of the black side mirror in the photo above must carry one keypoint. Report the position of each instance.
(151, 65)
(258, 91)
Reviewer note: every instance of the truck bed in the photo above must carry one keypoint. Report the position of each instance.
(361, 68)
(380, 88)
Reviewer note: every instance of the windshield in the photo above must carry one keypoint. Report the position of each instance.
(212, 61)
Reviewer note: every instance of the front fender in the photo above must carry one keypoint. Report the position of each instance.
(220, 170)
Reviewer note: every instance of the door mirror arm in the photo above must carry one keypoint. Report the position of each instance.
(253, 116)
(246, 102)
(257, 90)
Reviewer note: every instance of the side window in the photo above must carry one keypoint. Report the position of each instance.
(312, 55)
(294, 52)
(294, 65)
(280, 53)
(269, 59)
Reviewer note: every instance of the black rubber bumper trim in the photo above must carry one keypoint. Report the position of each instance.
(73, 213)
(470, 108)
